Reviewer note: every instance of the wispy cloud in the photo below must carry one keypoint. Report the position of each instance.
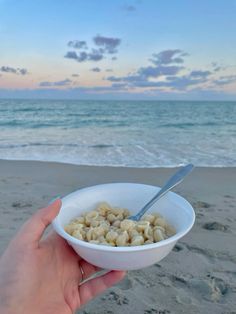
(129, 8)
(168, 57)
(65, 82)
(7, 69)
(96, 69)
(225, 80)
(77, 44)
(109, 44)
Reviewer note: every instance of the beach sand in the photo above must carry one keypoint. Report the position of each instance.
(198, 276)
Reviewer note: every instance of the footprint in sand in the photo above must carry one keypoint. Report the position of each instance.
(215, 226)
(228, 196)
(117, 298)
(6, 212)
(211, 288)
(152, 311)
(200, 204)
(17, 218)
(178, 247)
(21, 205)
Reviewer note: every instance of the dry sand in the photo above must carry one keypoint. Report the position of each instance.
(198, 276)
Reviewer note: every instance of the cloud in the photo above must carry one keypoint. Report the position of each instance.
(71, 55)
(164, 63)
(94, 55)
(75, 75)
(168, 57)
(77, 44)
(217, 67)
(7, 69)
(96, 69)
(22, 71)
(167, 71)
(200, 74)
(224, 80)
(109, 44)
(109, 70)
(129, 8)
(65, 82)
(103, 46)
(160, 70)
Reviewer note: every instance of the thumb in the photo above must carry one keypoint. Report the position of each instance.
(32, 231)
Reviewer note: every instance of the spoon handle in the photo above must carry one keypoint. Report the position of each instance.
(172, 182)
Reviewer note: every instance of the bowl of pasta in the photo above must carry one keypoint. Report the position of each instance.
(95, 222)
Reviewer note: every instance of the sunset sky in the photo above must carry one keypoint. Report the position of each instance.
(109, 49)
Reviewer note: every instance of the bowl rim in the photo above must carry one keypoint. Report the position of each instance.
(99, 247)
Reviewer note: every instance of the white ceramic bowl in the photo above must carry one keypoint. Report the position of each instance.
(174, 208)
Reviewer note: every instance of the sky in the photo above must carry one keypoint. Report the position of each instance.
(115, 49)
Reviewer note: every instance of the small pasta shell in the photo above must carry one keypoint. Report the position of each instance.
(105, 206)
(170, 231)
(89, 234)
(148, 242)
(105, 226)
(69, 228)
(94, 223)
(126, 213)
(97, 232)
(78, 220)
(117, 211)
(93, 214)
(77, 234)
(160, 222)
(116, 224)
(142, 225)
(149, 218)
(111, 218)
(133, 233)
(158, 235)
(160, 228)
(148, 232)
(127, 224)
(111, 236)
(120, 216)
(101, 239)
(122, 239)
(94, 241)
(138, 240)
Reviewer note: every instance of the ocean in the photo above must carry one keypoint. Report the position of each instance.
(119, 133)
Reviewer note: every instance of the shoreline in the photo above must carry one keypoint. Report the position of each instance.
(198, 276)
(113, 165)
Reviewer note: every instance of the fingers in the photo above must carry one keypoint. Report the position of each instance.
(87, 269)
(32, 231)
(93, 287)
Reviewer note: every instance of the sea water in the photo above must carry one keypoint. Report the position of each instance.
(119, 133)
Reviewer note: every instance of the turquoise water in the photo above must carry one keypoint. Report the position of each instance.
(127, 133)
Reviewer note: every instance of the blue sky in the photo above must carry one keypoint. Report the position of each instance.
(118, 49)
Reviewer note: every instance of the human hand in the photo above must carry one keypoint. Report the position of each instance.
(43, 276)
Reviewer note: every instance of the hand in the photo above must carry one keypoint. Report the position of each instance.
(43, 276)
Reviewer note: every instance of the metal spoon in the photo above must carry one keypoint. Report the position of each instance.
(173, 181)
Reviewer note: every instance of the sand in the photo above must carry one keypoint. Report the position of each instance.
(198, 276)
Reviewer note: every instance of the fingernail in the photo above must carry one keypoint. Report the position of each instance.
(54, 199)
